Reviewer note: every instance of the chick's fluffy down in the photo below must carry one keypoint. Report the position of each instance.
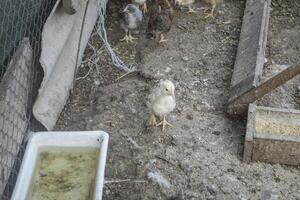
(162, 100)
(163, 105)
(184, 2)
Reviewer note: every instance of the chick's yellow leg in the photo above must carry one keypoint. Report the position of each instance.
(211, 14)
(164, 123)
(191, 10)
(152, 120)
(162, 39)
(125, 38)
(131, 38)
(145, 9)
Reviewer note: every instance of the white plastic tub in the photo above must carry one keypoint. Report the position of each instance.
(98, 139)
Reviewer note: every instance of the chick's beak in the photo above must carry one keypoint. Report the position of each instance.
(173, 93)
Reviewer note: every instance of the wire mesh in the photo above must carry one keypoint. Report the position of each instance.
(19, 82)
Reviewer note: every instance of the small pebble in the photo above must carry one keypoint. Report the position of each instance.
(97, 82)
(212, 189)
(216, 133)
(185, 127)
(185, 58)
(230, 170)
(43, 174)
(189, 117)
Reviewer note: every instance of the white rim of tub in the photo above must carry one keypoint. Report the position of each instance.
(60, 139)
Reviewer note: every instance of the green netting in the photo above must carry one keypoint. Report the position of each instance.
(19, 19)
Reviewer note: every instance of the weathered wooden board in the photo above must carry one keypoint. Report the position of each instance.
(251, 50)
(276, 151)
(248, 145)
(273, 135)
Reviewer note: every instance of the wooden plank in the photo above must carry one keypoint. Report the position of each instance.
(251, 50)
(248, 146)
(240, 105)
(276, 151)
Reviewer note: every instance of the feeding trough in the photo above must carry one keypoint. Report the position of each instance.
(63, 165)
(273, 135)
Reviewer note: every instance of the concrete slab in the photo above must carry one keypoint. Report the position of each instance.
(64, 39)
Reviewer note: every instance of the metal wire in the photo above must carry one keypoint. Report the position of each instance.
(101, 31)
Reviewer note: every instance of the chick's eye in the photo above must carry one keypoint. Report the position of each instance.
(167, 89)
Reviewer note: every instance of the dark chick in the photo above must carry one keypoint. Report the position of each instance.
(131, 19)
(160, 19)
(121, 4)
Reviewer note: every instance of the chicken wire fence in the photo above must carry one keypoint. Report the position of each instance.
(21, 23)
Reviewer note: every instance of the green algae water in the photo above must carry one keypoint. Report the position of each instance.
(64, 173)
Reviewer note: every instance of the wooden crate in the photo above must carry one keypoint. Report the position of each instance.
(273, 135)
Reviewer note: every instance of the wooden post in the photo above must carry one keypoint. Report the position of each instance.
(251, 50)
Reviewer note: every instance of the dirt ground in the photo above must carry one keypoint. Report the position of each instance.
(200, 158)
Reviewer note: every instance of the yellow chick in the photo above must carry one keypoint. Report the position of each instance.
(212, 4)
(161, 102)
